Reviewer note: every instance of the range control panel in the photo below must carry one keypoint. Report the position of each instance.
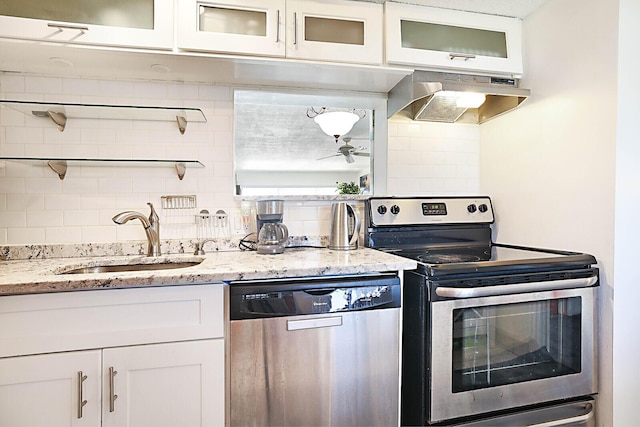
(428, 210)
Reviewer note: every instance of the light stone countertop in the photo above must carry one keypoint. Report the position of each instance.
(43, 275)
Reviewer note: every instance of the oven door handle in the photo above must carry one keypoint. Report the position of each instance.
(577, 420)
(487, 291)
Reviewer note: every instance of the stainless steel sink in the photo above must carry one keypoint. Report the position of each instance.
(131, 267)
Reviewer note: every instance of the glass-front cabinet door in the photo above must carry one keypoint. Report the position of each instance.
(450, 40)
(335, 30)
(129, 23)
(252, 27)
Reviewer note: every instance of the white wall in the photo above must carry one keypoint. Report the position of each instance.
(550, 166)
(36, 207)
(626, 340)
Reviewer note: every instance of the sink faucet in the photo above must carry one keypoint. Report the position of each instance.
(151, 227)
(200, 246)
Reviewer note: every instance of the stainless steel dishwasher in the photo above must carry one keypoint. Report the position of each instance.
(315, 352)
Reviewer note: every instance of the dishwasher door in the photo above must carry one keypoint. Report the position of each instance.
(337, 367)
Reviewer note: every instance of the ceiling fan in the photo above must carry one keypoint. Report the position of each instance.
(348, 151)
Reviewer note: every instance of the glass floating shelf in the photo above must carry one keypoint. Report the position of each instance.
(60, 112)
(59, 165)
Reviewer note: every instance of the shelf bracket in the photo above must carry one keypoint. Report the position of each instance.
(182, 124)
(59, 167)
(58, 118)
(181, 168)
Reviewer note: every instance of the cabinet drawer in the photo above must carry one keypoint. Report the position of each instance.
(43, 323)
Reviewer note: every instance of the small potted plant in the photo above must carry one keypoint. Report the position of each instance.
(348, 188)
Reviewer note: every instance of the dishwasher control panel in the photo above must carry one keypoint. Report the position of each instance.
(293, 299)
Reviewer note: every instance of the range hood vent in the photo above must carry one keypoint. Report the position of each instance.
(435, 97)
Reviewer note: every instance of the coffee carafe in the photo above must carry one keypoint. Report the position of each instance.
(345, 227)
(272, 238)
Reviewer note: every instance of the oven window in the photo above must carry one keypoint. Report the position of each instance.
(513, 343)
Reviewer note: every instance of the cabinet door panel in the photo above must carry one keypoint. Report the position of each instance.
(242, 27)
(44, 390)
(136, 23)
(334, 30)
(174, 384)
(443, 39)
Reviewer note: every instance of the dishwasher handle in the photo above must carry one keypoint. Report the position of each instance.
(314, 323)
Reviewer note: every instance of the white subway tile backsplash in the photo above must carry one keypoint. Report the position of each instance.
(66, 234)
(10, 185)
(100, 234)
(43, 84)
(50, 186)
(11, 219)
(423, 158)
(22, 202)
(80, 217)
(11, 117)
(73, 86)
(115, 90)
(24, 236)
(24, 135)
(183, 92)
(54, 201)
(48, 218)
(11, 83)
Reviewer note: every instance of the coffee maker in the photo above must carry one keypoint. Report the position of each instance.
(272, 234)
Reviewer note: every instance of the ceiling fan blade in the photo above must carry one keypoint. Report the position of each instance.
(361, 154)
(327, 157)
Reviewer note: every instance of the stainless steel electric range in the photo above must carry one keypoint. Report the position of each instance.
(493, 334)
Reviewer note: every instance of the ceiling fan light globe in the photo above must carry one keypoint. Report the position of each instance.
(336, 123)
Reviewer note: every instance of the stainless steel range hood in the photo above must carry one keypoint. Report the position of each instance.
(434, 96)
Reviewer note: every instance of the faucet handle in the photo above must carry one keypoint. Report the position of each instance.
(153, 216)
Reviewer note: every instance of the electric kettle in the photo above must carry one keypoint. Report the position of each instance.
(345, 227)
(272, 238)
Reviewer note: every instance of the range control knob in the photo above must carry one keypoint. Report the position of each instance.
(471, 208)
(395, 209)
(382, 209)
(483, 208)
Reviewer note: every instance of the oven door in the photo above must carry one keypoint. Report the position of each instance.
(499, 352)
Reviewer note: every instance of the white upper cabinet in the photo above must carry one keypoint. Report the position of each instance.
(434, 38)
(133, 23)
(333, 30)
(250, 27)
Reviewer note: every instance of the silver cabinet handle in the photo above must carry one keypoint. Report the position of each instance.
(81, 401)
(278, 26)
(112, 392)
(323, 322)
(295, 28)
(577, 420)
(464, 56)
(62, 27)
(487, 291)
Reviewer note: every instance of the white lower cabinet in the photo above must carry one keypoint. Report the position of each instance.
(47, 390)
(175, 384)
(131, 357)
